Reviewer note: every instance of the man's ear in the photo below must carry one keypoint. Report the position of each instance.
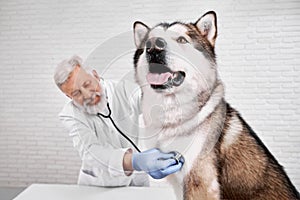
(96, 74)
(207, 25)
(140, 31)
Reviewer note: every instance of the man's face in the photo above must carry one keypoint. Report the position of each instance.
(84, 89)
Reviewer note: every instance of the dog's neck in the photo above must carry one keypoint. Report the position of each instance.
(175, 119)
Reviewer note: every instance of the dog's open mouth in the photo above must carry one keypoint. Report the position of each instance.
(165, 80)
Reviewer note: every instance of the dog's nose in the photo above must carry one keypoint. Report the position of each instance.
(156, 50)
(160, 44)
(156, 44)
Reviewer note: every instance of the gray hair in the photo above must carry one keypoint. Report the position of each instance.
(65, 68)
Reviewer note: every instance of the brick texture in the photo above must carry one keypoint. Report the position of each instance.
(258, 49)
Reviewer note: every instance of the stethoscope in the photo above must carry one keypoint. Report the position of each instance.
(116, 127)
(177, 156)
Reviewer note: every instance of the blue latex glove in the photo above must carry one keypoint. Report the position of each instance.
(156, 163)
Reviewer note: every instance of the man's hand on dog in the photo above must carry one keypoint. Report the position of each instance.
(156, 163)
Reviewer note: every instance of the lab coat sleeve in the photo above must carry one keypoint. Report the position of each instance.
(102, 163)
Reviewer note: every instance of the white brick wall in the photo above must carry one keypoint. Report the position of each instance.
(258, 51)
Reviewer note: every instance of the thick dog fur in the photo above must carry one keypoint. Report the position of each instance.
(224, 158)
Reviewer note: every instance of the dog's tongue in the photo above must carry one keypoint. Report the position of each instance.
(158, 79)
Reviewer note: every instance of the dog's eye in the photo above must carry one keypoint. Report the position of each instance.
(181, 40)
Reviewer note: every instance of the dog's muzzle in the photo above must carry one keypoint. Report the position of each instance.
(160, 76)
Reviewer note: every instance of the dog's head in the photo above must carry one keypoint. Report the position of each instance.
(176, 57)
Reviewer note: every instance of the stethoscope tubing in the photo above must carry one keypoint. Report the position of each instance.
(114, 124)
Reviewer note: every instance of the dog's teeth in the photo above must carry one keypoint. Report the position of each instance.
(175, 74)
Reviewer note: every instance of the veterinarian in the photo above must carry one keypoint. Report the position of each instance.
(108, 159)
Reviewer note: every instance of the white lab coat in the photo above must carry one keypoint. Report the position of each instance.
(101, 148)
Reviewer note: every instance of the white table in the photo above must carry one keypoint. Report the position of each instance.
(76, 192)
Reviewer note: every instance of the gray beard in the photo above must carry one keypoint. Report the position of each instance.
(93, 109)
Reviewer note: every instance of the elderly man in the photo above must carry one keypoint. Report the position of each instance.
(108, 159)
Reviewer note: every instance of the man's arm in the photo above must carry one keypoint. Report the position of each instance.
(103, 160)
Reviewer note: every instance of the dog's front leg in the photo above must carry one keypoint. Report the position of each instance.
(201, 183)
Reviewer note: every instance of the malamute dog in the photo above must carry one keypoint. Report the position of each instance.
(184, 110)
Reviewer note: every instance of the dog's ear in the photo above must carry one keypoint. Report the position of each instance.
(140, 31)
(207, 25)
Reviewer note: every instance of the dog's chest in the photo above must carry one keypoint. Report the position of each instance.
(190, 145)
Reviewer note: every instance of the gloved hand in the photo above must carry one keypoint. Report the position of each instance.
(157, 164)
